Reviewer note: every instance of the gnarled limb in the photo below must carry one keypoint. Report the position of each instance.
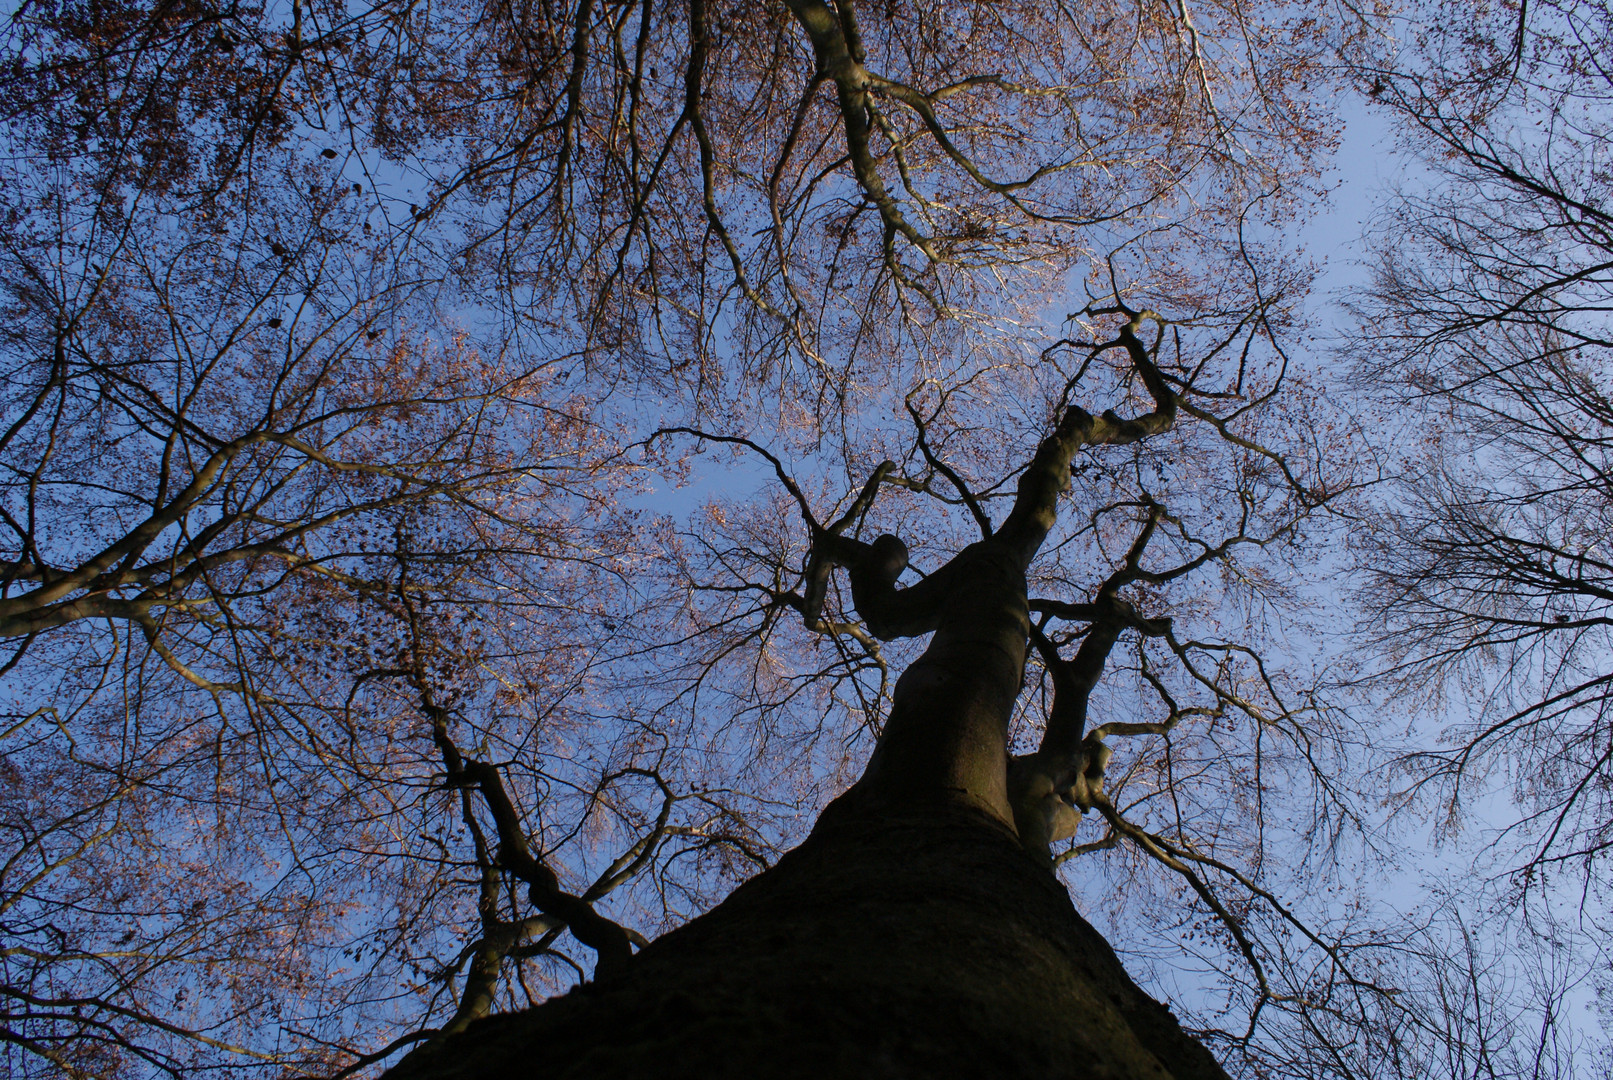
(1048, 476)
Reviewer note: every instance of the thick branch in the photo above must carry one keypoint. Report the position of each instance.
(837, 59)
(873, 568)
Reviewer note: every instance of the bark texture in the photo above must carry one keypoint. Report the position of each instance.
(917, 943)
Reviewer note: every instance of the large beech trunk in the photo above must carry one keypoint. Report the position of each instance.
(920, 943)
(919, 931)
(914, 933)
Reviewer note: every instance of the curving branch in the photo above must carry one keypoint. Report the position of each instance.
(611, 942)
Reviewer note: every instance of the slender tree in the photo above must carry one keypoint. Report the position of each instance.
(1484, 338)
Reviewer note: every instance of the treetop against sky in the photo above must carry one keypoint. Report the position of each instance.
(359, 683)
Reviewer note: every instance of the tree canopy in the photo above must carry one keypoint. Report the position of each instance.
(368, 668)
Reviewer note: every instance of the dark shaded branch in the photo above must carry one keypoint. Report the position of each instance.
(873, 568)
(608, 939)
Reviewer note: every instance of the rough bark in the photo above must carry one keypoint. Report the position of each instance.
(917, 943)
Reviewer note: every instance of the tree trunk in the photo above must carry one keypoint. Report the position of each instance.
(918, 932)
(918, 943)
